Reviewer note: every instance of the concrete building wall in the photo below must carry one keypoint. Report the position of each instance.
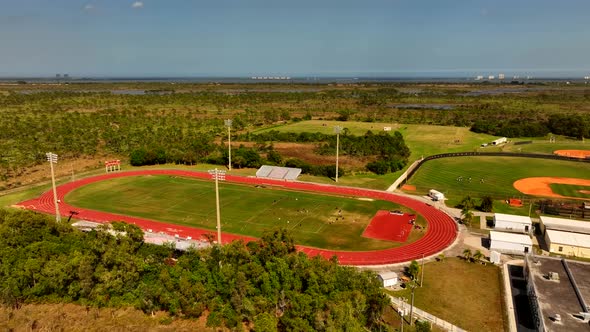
(509, 247)
(508, 226)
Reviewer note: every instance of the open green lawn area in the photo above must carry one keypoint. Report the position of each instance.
(245, 209)
(423, 140)
(570, 190)
(468, 295)
(498, 174)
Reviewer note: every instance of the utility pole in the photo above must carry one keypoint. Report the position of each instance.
(412, 306)
(228, 124)
(422, 272)
(403, 314)
(337, 130)
(217, 175)
(52, 159)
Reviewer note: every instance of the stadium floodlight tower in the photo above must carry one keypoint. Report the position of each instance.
(337, 130)
(228, 125)
(52, 159)
(217, 175)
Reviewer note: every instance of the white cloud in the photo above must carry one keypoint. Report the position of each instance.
(137, 4)
(89, 7)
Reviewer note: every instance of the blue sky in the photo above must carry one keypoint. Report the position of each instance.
(302, 37)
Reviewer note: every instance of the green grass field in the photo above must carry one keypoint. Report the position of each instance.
(468, 295)
(570, 190)
(498, 174)
(245, 209)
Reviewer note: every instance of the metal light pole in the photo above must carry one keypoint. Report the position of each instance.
(422, 272)
(52, 159)
(337, 130)
(403, 313)
(217, 175)
(228, 125)
(412, 305)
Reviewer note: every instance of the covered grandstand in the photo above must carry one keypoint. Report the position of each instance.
(278, 173)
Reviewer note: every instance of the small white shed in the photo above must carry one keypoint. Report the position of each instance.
(510, 243)
(388, 278)
(512, 223)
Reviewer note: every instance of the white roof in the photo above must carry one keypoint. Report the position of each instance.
(513, 218)
(568, 238)
(510, 237)
(566, 224)
(388, 275)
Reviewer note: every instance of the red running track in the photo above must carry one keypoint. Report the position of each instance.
(440, 233)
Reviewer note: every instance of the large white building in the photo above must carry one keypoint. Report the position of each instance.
(565, 225)
(512, 223)
(566, 236)
(510, 243)
(568, 243)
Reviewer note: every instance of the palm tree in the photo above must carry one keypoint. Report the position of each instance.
(478, 256)
(467, 216)
(467, 254)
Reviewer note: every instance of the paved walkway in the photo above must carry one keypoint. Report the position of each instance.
(423, 315)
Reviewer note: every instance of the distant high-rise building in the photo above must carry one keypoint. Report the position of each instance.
(58, 76)
(501, 76)
(479, 77)
(66, 75)
(491, 77)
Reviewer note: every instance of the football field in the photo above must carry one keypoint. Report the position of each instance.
(318, 220)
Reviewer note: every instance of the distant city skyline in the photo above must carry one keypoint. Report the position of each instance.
(380, 38)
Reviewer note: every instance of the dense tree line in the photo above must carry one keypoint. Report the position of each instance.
(264, 285)
(390, 151)
(87, 120)
(572, 125)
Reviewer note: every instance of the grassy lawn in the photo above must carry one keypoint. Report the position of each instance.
(570, 190)
(468, 295)
(498, 174)
(543, 146)
(245, 209)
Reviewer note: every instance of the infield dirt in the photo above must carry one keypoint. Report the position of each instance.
(539, 186)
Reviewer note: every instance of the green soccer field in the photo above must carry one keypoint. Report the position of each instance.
(314, 220)
(498, 174)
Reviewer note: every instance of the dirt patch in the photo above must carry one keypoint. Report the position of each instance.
(540, 186)
(73, 317)
(306, 152)
(409, 187)
(585, 192)
(582, 154)
(17, 177)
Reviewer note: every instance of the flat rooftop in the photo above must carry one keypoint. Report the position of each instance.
(559, 297)
(513, 218)
(569, 238)
(511, 237)
(561, 224)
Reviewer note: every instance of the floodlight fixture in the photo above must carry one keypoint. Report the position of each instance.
(228, 124)
(52, 159)
(337, 130)
(217, 175)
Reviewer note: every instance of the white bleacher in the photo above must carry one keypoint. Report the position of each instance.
(278, 173)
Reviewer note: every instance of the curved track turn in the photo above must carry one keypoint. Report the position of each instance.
(440, 233)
